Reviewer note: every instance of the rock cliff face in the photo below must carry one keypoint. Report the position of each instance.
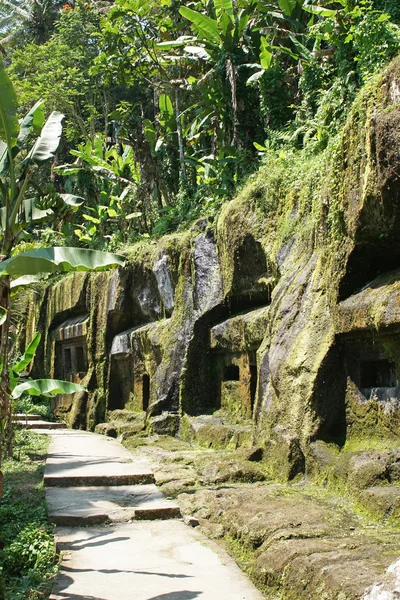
(281, 318)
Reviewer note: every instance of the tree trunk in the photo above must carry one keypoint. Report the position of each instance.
(5, 404)
(180, 138)
(231, 73)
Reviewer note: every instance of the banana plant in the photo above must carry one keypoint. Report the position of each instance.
(20, 383)
(216, 42)
(20, 159)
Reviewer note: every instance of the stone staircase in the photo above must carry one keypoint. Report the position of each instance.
(28, 421)
(91, 479)
(119, 537)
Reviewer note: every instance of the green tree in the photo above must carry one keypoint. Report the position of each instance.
(31, 20)
(59, 72)
(22, 154)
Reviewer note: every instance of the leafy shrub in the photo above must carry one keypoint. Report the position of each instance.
(26, 405)
(32, 550)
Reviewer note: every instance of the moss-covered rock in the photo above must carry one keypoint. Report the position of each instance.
(297, 546)
(367, 470)
(382, 502)
(165, 424)
(270, 293)
(214, 436)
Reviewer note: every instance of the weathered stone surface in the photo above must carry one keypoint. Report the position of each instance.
(163, 276)
(382, 501)
(367, 470)
(235, 470)
(165, 424)
(394, 467)
(214, 436)
(191, 521)
(302, 545)
(320, 458)
(302, 244)
(254, 454)
(243, 332)
(116, 429)
(377, 305)
(285, 451)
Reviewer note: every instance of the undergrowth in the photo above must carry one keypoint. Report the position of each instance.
(28, 406)
(28, 559)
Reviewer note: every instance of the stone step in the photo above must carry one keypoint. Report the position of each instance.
(79, 506)
(78, 458)
(25, 417)
(42, 425)
(61, 481)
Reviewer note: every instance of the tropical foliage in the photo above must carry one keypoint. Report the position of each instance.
(25, 146)
(170, 105)
(167, 106)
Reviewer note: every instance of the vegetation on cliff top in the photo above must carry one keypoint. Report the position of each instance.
(171, 105)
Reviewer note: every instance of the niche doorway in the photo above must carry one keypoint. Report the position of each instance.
(145, 391)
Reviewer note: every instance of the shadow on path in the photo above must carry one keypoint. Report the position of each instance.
(183, 595)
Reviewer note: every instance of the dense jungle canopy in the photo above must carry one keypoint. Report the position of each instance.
(169, 105)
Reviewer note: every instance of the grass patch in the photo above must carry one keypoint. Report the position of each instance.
(28, 560)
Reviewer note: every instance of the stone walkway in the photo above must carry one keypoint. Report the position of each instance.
(120, 538)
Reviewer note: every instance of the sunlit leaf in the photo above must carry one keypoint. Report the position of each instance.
(46, 387)
(255, 77)
(197, 51)
(47, 143)
(134, 215)
(207, 26)
(33, 120)
(28, 354)
(287, 6)
(92, 219)
(165, 104)
(72, 200)
(9, 127)
(225, 5)
(58, 259)
(25, 280)
(319, 10)
(265, 54)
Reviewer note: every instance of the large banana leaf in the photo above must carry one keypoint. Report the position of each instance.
(47, 143)
(207, 27)
(34, 119)
(319, 10)
(26, 280)
(72, 200)
(9, 127)
(31, 213)
(225, 5)
(287, 6)
(165, 104)
(46, 387)
(21, 365)
(28, 354)
(3, 157)
(58, 259)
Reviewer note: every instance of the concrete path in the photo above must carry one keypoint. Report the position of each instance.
(124, 541)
